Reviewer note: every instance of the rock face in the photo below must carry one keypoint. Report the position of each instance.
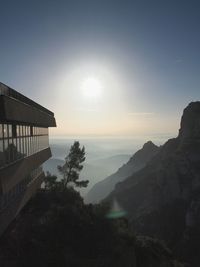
(135, 163)
(190, 123)
(163, 198)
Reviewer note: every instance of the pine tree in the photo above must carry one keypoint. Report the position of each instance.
(50, 181)
(72, 167)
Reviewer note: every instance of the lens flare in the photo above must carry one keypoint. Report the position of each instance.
(116, 211)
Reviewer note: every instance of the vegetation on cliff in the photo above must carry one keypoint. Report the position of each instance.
(56, 228)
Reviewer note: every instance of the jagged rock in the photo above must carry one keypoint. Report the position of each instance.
(163, 198)
(190, 123)
(135, 163)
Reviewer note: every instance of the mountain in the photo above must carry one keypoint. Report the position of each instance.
(135, 163)
(94, 170)
(163, 198)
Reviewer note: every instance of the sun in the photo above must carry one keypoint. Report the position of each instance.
(91, 88)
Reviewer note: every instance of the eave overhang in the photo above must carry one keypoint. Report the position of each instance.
(15, 111)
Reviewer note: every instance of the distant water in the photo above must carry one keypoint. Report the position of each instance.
(104, 147)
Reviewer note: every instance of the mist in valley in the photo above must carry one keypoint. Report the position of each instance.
(104, 155)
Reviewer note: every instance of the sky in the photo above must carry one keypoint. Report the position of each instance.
(141, 59)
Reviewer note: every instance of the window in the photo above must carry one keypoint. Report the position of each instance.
(1, 130)
(18, 130)
(10, 130)
(31, 130)
(5, 131)
(14, 131)
(18, 141)
(6, 151)
(2, 159)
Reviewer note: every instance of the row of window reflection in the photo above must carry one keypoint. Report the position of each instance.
(19, 141)
(18, 189)
(11, 130)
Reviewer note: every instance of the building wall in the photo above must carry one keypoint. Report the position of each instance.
(12, 202)
(24, 146)
(20, 141)
(13, 174)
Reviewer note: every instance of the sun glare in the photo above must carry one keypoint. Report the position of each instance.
(91, 88)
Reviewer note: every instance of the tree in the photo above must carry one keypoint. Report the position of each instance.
(72, 166)
(50, 181)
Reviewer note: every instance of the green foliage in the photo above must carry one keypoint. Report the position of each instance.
(72, 167)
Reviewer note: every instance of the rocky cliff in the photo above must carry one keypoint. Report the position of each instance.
(135, 163)
(163, 198)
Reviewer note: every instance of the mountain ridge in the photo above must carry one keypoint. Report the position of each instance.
(136, 162)
(163, 198)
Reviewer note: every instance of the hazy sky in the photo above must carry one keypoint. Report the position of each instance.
(143, 56)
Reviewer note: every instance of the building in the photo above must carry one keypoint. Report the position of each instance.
(24, 146)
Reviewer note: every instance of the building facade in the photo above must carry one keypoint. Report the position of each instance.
(24, 146)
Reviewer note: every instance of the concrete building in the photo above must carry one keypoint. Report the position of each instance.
(24, 146)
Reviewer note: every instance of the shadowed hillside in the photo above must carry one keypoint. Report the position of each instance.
(94, 170)
(163, 198)
(135, 163)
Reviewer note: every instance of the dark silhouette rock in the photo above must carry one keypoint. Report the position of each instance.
(163, 198)
(190, 123)
(135, 163)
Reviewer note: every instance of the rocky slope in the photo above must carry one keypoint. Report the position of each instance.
(135, 163)
(163, 198)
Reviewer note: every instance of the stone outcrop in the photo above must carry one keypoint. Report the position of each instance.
(163, 198)
(190, 123)
(135, 163)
